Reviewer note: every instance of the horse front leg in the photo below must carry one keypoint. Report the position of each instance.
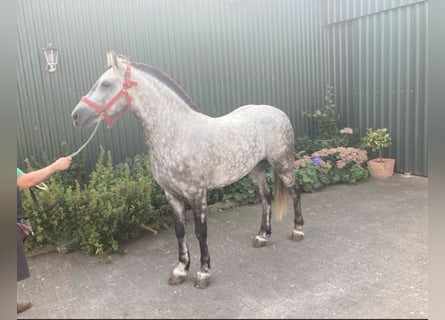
(199, 208)
(180, 272)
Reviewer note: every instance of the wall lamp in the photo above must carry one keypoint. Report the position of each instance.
(51, 56)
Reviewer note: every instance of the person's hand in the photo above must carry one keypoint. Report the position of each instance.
(62, 163)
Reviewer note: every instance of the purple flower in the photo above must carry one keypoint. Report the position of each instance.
(317, 160)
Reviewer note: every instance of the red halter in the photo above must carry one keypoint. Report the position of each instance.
(123, 92)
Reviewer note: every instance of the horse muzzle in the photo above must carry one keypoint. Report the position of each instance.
(83, 116)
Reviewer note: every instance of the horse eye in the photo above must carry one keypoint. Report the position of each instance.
(105, 84)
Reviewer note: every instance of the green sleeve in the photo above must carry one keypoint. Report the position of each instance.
(19, 172)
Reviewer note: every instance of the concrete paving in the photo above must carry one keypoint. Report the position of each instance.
(364, 256)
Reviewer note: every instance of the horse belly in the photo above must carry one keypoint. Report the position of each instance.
(234, 164)
(223, 176)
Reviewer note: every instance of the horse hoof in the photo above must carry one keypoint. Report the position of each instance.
(297, 234)
(259, 242)
(176, 280)
(202, 280)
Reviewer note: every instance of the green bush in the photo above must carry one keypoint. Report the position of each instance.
(326, 117)
(114, 205)
(243, 191)
(311, 177)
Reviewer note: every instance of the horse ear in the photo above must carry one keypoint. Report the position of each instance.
(113, 60)
(111, 57)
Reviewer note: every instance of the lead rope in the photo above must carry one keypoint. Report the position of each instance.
(85, 144)
(43, 186)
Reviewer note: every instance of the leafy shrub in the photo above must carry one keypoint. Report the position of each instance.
(243, 191)
(311, 176)
(114, 205)
(325, 117)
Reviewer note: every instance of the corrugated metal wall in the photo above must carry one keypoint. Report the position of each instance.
(377, 51)
(225, 53)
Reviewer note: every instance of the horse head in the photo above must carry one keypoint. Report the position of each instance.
(108, 97)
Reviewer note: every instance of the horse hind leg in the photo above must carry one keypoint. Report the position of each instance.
(295, 192)
(285, 183)
(258, 177)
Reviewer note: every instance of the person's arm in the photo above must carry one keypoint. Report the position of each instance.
(27, 180)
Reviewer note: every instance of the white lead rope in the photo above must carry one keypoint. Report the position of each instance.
(42, 185)
(85, 144)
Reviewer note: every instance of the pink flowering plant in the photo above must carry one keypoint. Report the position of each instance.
(346, 131)
(328, 166)
(348, 137)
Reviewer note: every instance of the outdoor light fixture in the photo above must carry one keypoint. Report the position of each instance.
(51, 56)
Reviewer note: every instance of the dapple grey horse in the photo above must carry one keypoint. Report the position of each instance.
(192, 153)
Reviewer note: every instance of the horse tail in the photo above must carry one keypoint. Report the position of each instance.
(281, 198)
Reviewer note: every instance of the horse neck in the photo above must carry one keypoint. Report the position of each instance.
(159, 110)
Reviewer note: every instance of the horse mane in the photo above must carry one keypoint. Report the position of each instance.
(167, 80)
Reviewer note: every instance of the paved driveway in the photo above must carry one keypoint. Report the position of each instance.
(364, 256)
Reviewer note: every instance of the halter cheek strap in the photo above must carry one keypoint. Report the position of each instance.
(128, 83)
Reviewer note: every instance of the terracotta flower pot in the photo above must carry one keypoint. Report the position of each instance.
(381, 168)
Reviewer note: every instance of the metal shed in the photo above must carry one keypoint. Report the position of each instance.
(226, 53)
